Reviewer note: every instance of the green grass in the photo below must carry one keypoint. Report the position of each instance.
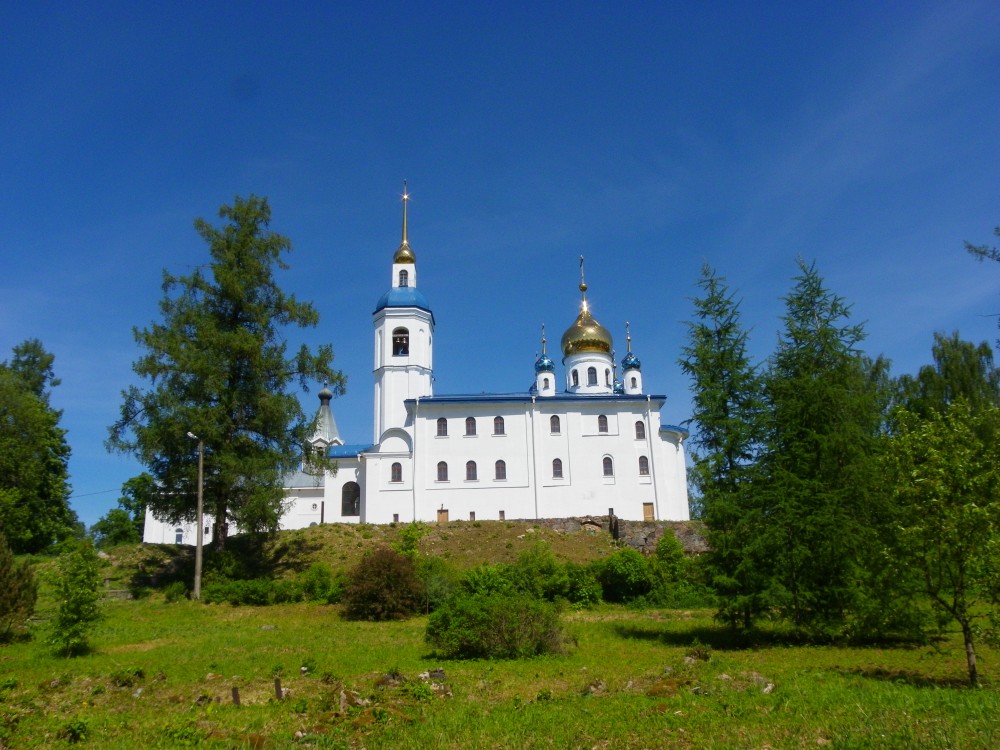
(161, 676)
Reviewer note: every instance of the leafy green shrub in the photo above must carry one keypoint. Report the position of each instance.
(670, 556)
(495, 626)
(490, 578)
(624, 576)
(18, 591)
(440, 581)
(254, 592)
(538, 573)
(582, 587)
(383, 586)
(317, 582)
(77, 586)
(175, 591)
(409, 539)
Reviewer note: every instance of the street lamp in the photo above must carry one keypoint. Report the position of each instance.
(196, 593)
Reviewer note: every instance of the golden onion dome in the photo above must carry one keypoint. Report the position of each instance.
(404, 254)
(586, 335)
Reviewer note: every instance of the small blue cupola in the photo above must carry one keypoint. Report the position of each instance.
(631, 367)
(545, 372)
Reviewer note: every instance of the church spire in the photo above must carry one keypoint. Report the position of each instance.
(404, 253)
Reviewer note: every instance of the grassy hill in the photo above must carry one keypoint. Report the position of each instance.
(463, 544)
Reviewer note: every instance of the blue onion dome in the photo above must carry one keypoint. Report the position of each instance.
(325, 395)
(545, 364)
(619, 387)
(631, 362)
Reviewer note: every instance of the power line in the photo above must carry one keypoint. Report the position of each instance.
(88, 494)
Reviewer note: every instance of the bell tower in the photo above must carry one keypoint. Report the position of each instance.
(404, 330)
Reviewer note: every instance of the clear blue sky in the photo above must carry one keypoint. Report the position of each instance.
(649, 137)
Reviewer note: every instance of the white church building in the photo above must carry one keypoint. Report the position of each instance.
(585, 443)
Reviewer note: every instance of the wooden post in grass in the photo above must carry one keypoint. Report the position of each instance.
(236, 696)
(277, 688)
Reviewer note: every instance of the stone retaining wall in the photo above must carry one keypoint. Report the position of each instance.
(640, 535)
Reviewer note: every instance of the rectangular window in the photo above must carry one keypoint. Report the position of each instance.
(502, 515)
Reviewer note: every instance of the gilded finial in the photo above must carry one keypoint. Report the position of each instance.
(543, 338)
(628, 336)
(406, 199)
(583, 284)
(404, 254)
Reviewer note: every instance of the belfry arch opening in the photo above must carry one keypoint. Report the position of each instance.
(400, 342)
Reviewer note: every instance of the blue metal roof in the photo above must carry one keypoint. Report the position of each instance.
(404, 296)
(348, 451)
(487, 398)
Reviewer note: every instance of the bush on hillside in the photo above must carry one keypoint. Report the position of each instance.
(583, 589)
(537, 572)
(490, 578)
(18, 592)
(253, 592)
(624, 576)
(440, 581)
(383, 586)
(495, 626)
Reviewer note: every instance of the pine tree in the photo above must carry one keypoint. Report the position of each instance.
(217, 367)
(727, 417)
(819, 487)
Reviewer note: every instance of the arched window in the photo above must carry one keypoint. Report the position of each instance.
(178, 536)
(576, 378)
(643, 466)
(609, 467)
(442, 471)
(554, 426)
(442, 427)
(498, 426)
(400, 342)
(397, 472)
(470, 425)
(640, 430)
(545, 384)
(557, 468)
(350, 499)
(404, 278)
(602, 423)
(470, 471)
(607, 377)
(501, 470)
(591, 376)
(635, 383)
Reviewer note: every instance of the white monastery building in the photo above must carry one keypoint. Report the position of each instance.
(585, 443)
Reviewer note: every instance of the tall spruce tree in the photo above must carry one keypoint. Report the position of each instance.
(34, 454)
(819, 487)
(217, 366)
(727, 419)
